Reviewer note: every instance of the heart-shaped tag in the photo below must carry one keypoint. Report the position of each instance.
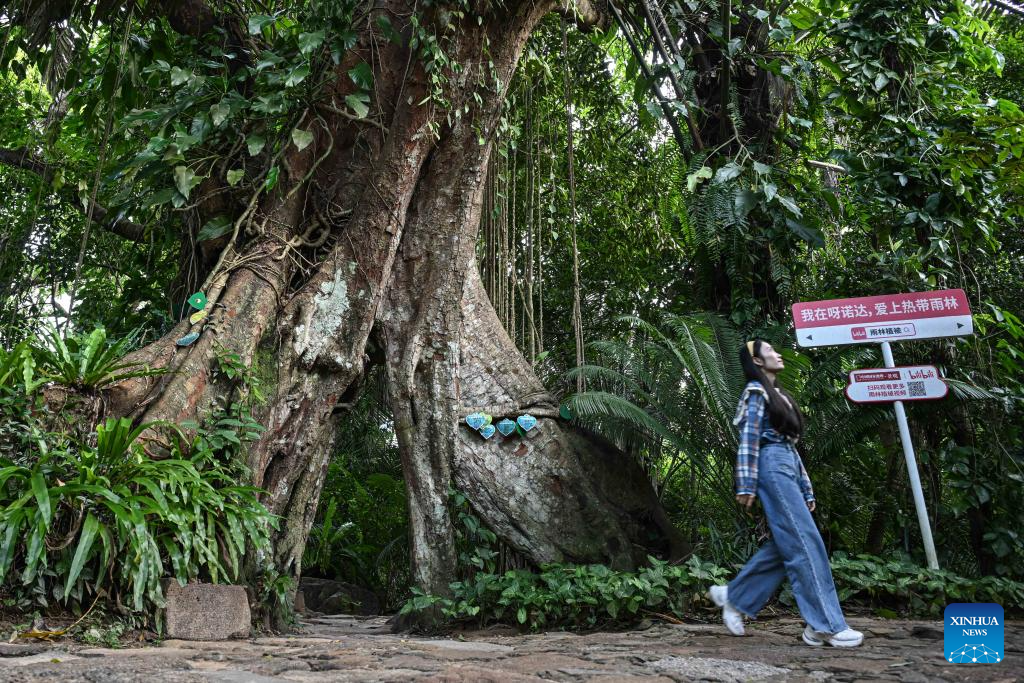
(565, 413)
(488, 419)
(487, 431)
(506, 427)
(197, 301)
(188, 339)
(527, 422)
(196, 317)
(475, 420)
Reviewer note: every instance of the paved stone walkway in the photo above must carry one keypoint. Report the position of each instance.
(363, 649)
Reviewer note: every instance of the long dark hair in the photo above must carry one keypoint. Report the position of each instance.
(785, 417)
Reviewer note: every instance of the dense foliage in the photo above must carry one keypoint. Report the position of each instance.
(782, 152)
(92, 509)
(582, 597)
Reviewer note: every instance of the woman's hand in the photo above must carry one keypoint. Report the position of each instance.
(745, 500)
(811, 505)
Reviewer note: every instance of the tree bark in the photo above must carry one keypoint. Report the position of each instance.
(399, 281)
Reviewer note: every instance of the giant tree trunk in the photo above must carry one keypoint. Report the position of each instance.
(398, 282)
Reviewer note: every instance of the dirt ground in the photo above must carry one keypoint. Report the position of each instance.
(343, 648)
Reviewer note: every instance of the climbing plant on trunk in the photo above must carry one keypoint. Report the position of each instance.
(327, 163)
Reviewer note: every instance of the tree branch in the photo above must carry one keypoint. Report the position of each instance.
(588, 14)
(21, 158)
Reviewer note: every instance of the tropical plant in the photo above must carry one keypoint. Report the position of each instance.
(675, 389)
(580, 597)
(86, 361)
(71, 515)
(324, 546)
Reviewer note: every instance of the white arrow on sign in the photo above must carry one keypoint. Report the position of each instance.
(907, 383)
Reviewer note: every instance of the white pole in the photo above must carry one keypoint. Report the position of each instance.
(915, 479)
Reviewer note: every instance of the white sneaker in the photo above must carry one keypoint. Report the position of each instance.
(845, 638)
(731, 617)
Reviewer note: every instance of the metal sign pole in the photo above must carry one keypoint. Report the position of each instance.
(915, 479)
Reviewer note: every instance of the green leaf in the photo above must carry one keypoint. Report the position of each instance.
(881, 80)
(703, 173)
(234, 176)
(271, 180)
(89, 529)
(728, 172)
(310, 41)
(389, 31)
(161, 197)
(297, 75)
(832, 67)
(362, 76)
(806, 233)
(790, 205)
(745, 201)
(833, 203)
(258, 21)
(359, 104)
(301, 138)
(221, 225)
(185, 179)
(255, 143)
(762, 169)
(35, 551)
(11, 535)
(42, 494)
(219, 112)
(179, 76)
(267, 60)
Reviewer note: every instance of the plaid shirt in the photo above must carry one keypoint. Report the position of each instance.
(755, 425)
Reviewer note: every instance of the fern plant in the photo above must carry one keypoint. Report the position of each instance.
(670, 392)
(674, 390)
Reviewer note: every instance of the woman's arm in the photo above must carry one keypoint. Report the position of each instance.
(750, 443)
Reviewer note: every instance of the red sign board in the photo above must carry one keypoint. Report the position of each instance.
(909, 383)
(867, 319)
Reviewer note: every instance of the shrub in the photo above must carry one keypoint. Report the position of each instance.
(77, 521)
(900, 585)
(112, 510)
(594, 596)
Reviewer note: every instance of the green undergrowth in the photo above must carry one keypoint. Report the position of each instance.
(582, 597)
(100, 511)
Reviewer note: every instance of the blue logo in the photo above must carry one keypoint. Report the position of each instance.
(973, 633)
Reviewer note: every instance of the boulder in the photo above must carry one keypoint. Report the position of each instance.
(206, 611)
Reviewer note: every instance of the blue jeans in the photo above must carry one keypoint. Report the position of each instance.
(794, 550)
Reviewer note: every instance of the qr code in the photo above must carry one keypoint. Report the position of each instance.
(916, 389)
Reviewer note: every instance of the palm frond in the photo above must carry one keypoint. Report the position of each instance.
(968, 391)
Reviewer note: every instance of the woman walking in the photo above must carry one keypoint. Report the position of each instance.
(769, 468)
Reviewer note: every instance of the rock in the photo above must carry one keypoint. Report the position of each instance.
(205, 611)
(22, 649)
(712, 669)
(467, 646)
(51, 657)
(337, 597)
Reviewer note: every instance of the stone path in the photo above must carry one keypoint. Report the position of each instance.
(341, 648)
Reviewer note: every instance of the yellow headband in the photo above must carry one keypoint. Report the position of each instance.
(750, 348)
